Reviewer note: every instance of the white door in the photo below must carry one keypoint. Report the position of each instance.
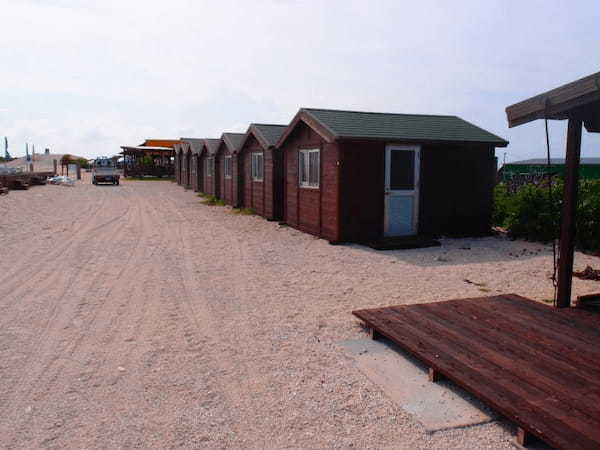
(401, 190)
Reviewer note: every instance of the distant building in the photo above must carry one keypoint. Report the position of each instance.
(152, 158)
(589, 168)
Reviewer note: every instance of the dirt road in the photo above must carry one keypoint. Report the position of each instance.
(137, 317)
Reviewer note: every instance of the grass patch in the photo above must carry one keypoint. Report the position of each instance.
(150, 179)
(245, 211)
(211, 200)
(201, 195)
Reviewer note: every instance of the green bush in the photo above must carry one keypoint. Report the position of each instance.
(502, 201)
(211, 200)
(588, 215)
(530, 214)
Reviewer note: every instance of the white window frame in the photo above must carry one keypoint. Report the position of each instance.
(304, 158)
(258, 166)
(209, 166)
(228, 166)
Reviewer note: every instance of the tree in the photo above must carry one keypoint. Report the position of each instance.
(83, 163)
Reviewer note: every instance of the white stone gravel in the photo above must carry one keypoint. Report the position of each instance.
(225, 325)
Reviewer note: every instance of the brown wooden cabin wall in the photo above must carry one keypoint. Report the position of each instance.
(194, 173)
(225, 185)
(207, 181)
(188, 170)
(217, 179)
(456, 191)
(177, 169)
(313, 211)
(182, 172)
(273, 185)
(362, 169)
(181, 167)
(252, 191)
(199, 174)
(237, 181)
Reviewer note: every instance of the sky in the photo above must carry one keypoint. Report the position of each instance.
(85, 77)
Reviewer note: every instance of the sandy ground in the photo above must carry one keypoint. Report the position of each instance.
(137, 317)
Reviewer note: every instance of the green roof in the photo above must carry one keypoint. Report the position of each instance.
(212, 145)
(194, 143)
(270, 133)
(233, 140)
(401, 127)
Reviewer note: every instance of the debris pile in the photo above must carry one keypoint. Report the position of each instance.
(588, 274)
(62, 180)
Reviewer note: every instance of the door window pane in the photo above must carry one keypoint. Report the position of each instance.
(402, 169)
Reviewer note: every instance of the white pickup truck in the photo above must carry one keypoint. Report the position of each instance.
(104, 170)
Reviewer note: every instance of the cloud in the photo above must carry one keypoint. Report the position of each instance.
(87, 77)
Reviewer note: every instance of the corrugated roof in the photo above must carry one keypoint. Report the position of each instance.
(269, 132)
(145, 147)
(556, 161)
(233, 140)
(401, 127)
(160, 143)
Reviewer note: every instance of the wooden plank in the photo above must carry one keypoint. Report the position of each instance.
(531, 365)
(535, 334)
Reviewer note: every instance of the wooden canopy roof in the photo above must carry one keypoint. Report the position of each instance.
(579, 102)
(579, 98)
(160, 143)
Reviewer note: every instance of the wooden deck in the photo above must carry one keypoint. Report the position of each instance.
(539, 366)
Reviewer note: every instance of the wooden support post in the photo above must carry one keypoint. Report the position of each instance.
(569, 210)
(435, 376)
(524, 437)
(374, 334)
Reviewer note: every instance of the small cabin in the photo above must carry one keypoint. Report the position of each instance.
(210, 169)
(261, 178)
(226, 157)
(177, 151)
(360, 176)
(194, 147)
(186, 161)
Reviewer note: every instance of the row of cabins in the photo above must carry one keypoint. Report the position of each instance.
(351, 176)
